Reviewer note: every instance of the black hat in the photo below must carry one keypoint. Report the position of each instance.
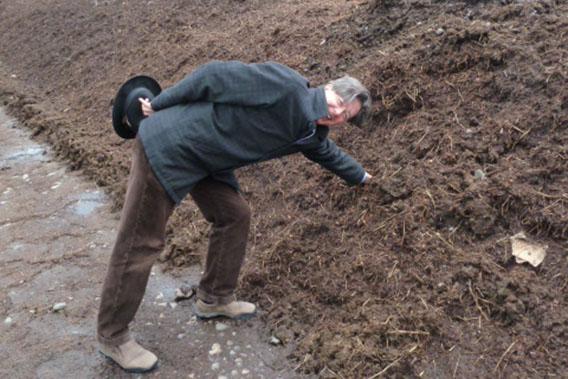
(127, 110)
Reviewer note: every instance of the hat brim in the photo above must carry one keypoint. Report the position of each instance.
(126, 107)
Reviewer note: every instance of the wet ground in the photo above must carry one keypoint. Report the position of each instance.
(56, 232)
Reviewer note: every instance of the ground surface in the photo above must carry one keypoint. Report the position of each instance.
(411, 276)
(55, 234)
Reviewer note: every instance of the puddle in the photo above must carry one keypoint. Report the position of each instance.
(19, 150)
(88, 202)
(31, 153)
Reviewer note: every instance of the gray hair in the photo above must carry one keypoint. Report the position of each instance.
(350, 89)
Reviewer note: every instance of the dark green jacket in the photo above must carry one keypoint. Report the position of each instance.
(226, 115)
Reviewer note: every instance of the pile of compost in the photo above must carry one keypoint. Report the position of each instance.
(409, 276)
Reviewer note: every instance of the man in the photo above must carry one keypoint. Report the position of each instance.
(223, 116)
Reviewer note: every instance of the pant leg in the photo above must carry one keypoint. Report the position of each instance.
(140, 239)
(230, 215)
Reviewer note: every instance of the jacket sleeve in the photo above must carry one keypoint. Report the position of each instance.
(328, 155)
(231, 82)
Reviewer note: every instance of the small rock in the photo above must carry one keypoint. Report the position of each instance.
(245, 371)
(525, 250)
(59, 306)
(160, 296)
(180, 336)
(221, 377)
(234, 373)
(220, 326)
(173, 305)
(8, 321)
(479, 174)
(275, 341)
(215, 349)
(229, 343)
(215, 366)
(184, 292)
(239, 362)
(439, 31)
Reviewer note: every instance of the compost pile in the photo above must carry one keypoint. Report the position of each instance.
(409, 276)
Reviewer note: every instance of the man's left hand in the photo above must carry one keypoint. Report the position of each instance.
(146, 107)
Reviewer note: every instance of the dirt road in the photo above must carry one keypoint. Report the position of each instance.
(56, 231)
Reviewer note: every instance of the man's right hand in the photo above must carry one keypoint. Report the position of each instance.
(367, 178)
(146, 107)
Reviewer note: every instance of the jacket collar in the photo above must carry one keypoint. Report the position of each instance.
(316, 106)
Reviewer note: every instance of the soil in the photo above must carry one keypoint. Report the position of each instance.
(410, 276)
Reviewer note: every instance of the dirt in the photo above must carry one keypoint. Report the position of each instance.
(410, 276)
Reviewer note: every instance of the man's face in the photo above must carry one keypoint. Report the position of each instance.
(339, 112)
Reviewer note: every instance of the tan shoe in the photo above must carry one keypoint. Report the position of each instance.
(239, 310)
(130, 356)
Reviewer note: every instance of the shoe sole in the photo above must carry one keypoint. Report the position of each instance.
(130, 370)
(208, 316)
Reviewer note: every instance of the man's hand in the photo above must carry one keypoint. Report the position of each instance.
(146, 107)
(367, 178)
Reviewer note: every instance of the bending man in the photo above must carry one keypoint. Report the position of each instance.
(223, 116)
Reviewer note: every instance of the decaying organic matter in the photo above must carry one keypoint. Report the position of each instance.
(409, 276)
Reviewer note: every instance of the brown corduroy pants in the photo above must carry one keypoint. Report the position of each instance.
(141, 238)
